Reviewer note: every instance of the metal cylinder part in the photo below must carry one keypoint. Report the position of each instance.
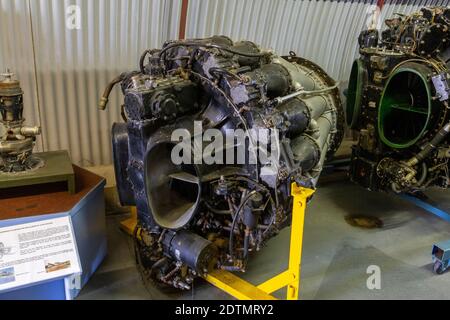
(297, 74)
(190, 249)
(316, 105)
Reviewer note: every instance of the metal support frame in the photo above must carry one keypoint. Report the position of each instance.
(290, 278)
(129, 224)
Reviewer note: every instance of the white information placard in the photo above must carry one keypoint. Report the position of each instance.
(37, 251)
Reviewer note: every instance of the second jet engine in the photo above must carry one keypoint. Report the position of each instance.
(398, 101)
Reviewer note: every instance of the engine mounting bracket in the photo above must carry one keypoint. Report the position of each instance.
(290, 278)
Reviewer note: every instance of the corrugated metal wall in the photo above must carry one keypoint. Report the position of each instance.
(67, 70)
(63, 72)
(74, 66)
(323, 31)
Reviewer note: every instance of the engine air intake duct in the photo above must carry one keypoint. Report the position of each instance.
(405, 106)
(173, 191)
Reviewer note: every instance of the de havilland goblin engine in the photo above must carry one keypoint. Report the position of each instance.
(197, 215)
(16, 140)
(398, 101)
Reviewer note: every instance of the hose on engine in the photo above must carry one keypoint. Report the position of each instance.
(215, 71)
(210, 46)
(430, 146)
(142, 58)
(418, 158)
(105, 97)
(235, 219)
(162, 53)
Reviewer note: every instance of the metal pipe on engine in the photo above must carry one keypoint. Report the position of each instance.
(309, 151)
(430, 146)
(299, 93)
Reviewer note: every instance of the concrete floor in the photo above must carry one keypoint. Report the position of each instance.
(335, 255)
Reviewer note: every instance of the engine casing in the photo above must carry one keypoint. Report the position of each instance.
(397, 100)
(194, 216)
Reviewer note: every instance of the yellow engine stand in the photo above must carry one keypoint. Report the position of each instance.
(129, 224)
(290, 278)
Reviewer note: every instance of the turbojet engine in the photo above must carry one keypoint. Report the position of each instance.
(197, 214)
(398, 101)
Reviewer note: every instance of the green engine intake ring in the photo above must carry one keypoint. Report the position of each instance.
(405, 109)
(354, 93)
